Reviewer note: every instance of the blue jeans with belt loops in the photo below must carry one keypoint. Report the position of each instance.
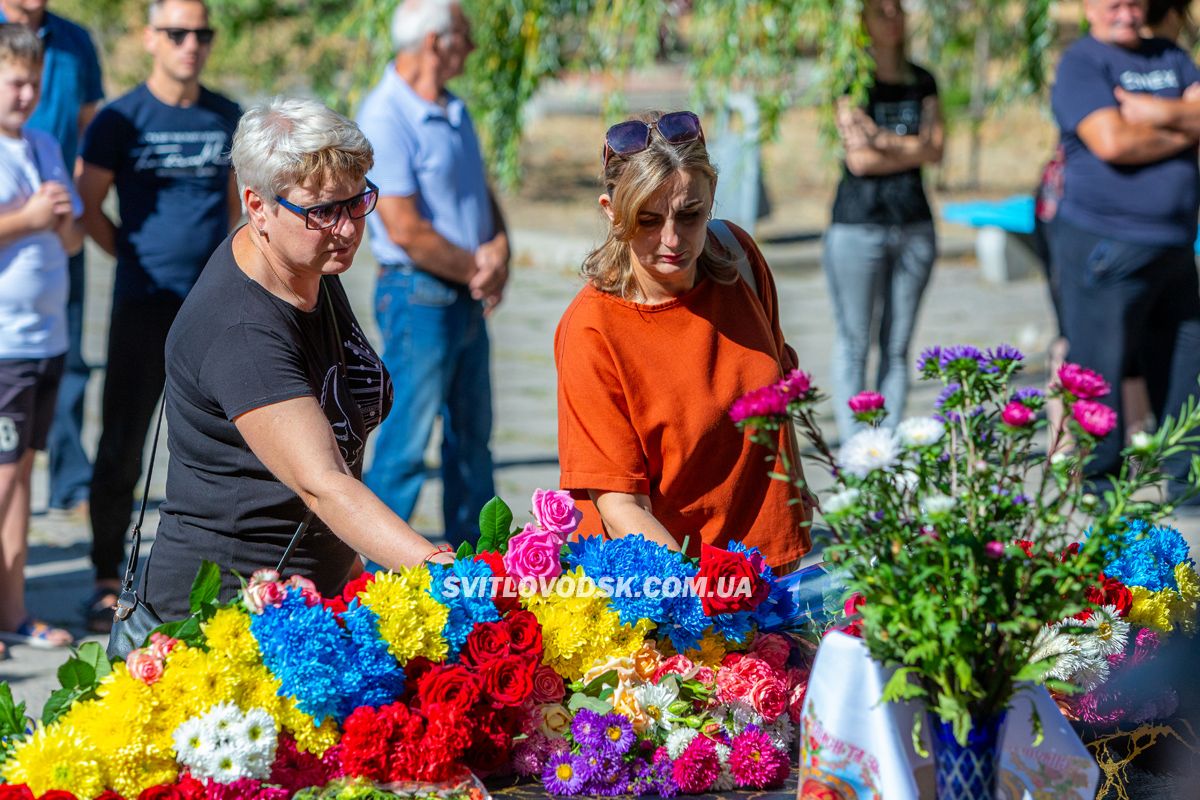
(436, 348)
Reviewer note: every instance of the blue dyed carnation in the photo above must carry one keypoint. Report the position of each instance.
(1146, 556)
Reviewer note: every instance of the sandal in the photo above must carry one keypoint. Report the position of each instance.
(98, 610)
(38, 634)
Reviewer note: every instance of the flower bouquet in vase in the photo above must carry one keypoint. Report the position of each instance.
(954, 531)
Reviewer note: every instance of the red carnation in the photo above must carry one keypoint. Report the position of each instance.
(491, 743)
(730, 582)
(508, 681)
(487, 642)
(1026, 547)
(1117, 594)
(447, 737)
(452, 684)
(526, 633)
(350, 591)
(191, 788)
(365, 744)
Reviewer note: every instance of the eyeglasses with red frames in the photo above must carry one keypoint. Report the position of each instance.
(633, 136)
(326, 215)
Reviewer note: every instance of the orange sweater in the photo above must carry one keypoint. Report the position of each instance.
(644, 393)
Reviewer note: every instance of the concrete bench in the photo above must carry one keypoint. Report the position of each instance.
(1003, 245)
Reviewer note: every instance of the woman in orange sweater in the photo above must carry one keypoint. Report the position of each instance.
(672, 327)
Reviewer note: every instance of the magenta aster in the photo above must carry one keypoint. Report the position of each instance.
(756, 762)
(765, 402)
(697, 766)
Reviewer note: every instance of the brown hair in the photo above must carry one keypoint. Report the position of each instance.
(630, 181)
(19, 43)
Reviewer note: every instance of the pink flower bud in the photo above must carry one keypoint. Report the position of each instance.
(1017, 414)
(994, 549)
(161, 646)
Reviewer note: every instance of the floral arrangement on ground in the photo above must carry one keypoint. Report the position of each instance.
(596, 666)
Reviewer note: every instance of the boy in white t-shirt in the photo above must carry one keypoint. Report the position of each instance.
(39, 226)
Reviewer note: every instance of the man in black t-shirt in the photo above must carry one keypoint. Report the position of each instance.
(164, 147)
(1125, 227)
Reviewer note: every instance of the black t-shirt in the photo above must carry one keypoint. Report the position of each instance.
(896, 199)
(235, 347)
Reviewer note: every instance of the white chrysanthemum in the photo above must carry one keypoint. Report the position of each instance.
(655, 699)
(679, 739)
(782, 732)
(1111, 633)
(743, 715)
(869, 450)
(258, 729)
(723, 751)
(724, 781)
(920, 431)
(840, 502)
(223, 767)
(937, 504)
(191, 743)
(1092, 673)
(907, 481)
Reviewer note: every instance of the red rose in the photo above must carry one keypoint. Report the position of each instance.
(772, 648)
(677, 664)
(486, 642)
(755, 669)
(769, 698)
(452, 684)
(508, 681)
(414, 670)
(1117, 594)
(491, 743)
(107, 794)
(15, 791)
(730, 582)
(1026, 547)
(350, 591)
(163, 791)
(504, 592)
(547, 685)
(525, 632)
(191, 788)
(58, 794)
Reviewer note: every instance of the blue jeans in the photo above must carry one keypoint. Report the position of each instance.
(437, 351)
(875, 272)
(70, 470)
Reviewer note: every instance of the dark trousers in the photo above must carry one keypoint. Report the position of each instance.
(133, 382)
(70, 470)
(1128, 305)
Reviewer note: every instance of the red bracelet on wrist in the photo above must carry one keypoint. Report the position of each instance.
(441, 548)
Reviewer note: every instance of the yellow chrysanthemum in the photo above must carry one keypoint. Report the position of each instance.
(410, 620)
(579, 630)
(56, 757)
(132, 769)
(711, 651)
(227, 634)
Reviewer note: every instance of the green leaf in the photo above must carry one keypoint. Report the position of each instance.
(74, 674)
(495, 519)
(1035, 672)
(918, 744)
(599, 682)
(206, 588)
(465, 550)
(899, 687)
(579, 701)
(92, 654)
(60, 700)
(1035, 722)
(12, 714)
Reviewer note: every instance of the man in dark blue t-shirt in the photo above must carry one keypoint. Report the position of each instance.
(164, 147)
(1127, 222)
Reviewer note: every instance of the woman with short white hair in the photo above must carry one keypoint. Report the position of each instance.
(272, 388)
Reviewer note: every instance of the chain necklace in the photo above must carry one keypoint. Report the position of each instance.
(303, 305)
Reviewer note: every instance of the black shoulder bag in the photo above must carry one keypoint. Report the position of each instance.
(134, 619)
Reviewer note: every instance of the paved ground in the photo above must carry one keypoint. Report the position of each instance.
(959, 307)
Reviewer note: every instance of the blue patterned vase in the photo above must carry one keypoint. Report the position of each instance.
(967, 772)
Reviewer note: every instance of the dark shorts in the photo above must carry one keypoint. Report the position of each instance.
(28, 389)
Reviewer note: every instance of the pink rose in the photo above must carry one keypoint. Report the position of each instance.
(1095, 418)
(754, 670)
(706, 676)
(772, 648)
(144, 666)
(1016, 414)
(161, 646)
(731, 686)
(865, 402)
(547, 686)
(534, 553)
(796, 701)
(1081, 382)
(679, 665)
(262, 592)
(769, 698)
(555, 511)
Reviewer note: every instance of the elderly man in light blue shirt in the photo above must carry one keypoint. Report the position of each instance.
(440, 240)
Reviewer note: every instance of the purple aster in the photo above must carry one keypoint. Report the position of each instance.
(1030, 397)
(563, 774)
(588, 729)
(617, 735)
(1004, 354)
(930, 357)
(961, 354)
(950, 395)
(664, 780)
(609, 777)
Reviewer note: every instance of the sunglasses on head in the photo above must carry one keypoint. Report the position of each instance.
(326, 215)
(633, 136)
(179, 35)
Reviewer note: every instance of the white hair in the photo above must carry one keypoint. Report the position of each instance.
(156, 8)
(289, 141)
(413, 20)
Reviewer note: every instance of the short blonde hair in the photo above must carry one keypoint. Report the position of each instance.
(292, 142)
(19, 44)
(630, 182)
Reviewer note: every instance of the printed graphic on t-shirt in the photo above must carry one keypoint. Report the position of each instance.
(334, 403)
(173, 154)
(1153, 81)
(365, 376)
(902, 117)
